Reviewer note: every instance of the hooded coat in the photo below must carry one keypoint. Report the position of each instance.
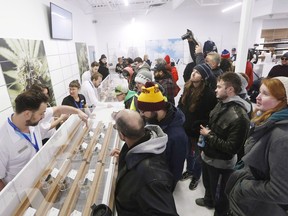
(261, 187)
(128, 99)
(177, 145)
(143, 185)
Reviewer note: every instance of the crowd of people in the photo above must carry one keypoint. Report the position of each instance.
(240, 152)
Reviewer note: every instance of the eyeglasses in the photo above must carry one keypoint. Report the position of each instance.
(284, 58)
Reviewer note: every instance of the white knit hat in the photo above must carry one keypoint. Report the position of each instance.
(244, 84)
(143, 76)
(284, 81)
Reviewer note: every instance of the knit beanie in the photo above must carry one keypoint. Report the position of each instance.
(150, 98)
(129, 70)
(244, 84)
(143, 76)
(160, 67)
(103, 56)
(204, 70)
(225, 54)
(167, 59)
(284, 81)
(120, 89)
(285, 55)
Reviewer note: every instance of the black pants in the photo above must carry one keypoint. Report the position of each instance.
(214, 181)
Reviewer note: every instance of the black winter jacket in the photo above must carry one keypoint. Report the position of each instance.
(144, 183)
(229, 124)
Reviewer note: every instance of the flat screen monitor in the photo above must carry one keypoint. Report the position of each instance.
(61, 23)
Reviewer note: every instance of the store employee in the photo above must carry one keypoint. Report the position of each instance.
(20, 135)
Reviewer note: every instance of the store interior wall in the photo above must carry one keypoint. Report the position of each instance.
(114, 34)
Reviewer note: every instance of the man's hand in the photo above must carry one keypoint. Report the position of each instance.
(198, 49)
(204, 131)
(115, 153)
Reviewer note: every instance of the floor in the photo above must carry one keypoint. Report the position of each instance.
(185, 200)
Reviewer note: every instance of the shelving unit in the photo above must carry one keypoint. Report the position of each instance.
(275, 41)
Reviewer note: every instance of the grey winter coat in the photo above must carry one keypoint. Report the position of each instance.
(261, 187)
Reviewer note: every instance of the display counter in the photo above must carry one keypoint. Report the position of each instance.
(70, 173)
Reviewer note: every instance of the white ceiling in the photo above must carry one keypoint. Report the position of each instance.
(140, 6)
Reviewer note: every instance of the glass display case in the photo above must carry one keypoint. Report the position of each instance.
(70, 173)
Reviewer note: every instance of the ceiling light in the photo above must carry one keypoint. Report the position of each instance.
(126, 3)
(231, 7)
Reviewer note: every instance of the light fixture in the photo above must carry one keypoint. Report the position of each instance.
(232, 7)
(126, 2)
(133, 21)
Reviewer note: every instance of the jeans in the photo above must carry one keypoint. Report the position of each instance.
(194, 162)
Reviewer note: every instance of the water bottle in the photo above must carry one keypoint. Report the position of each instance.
(201, 141)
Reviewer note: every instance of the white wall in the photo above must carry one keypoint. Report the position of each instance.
(206, 23)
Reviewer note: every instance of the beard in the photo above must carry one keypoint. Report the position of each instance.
(31, 123)
(222, 97)
(152, 119)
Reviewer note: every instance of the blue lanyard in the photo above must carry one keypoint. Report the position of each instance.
(91, 84)
(36, 147)
(80, 103)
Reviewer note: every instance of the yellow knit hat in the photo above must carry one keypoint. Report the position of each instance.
(150, 98)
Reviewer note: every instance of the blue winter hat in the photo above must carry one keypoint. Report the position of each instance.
(225, 54)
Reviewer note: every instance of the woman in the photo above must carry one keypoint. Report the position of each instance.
(103, 68)
(261, 187)
(196, 103)
(75, 99)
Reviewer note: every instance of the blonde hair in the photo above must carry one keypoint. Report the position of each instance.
(277, 90)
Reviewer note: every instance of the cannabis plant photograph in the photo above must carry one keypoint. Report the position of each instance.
(24, 63)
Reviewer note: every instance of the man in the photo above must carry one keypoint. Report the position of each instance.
(213, 59)
(21, 137)
(229, 125)
(143, 185)
(139, 64)
(119, 66)
(86, 76)
(233, 54)
(89, 90)
(282, 69)
(124, 94)
(200, 55)
(155, 110)
(144, 75)
(164, 78)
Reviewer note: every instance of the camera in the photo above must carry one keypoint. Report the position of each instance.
(189, 35)
(186, 36)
